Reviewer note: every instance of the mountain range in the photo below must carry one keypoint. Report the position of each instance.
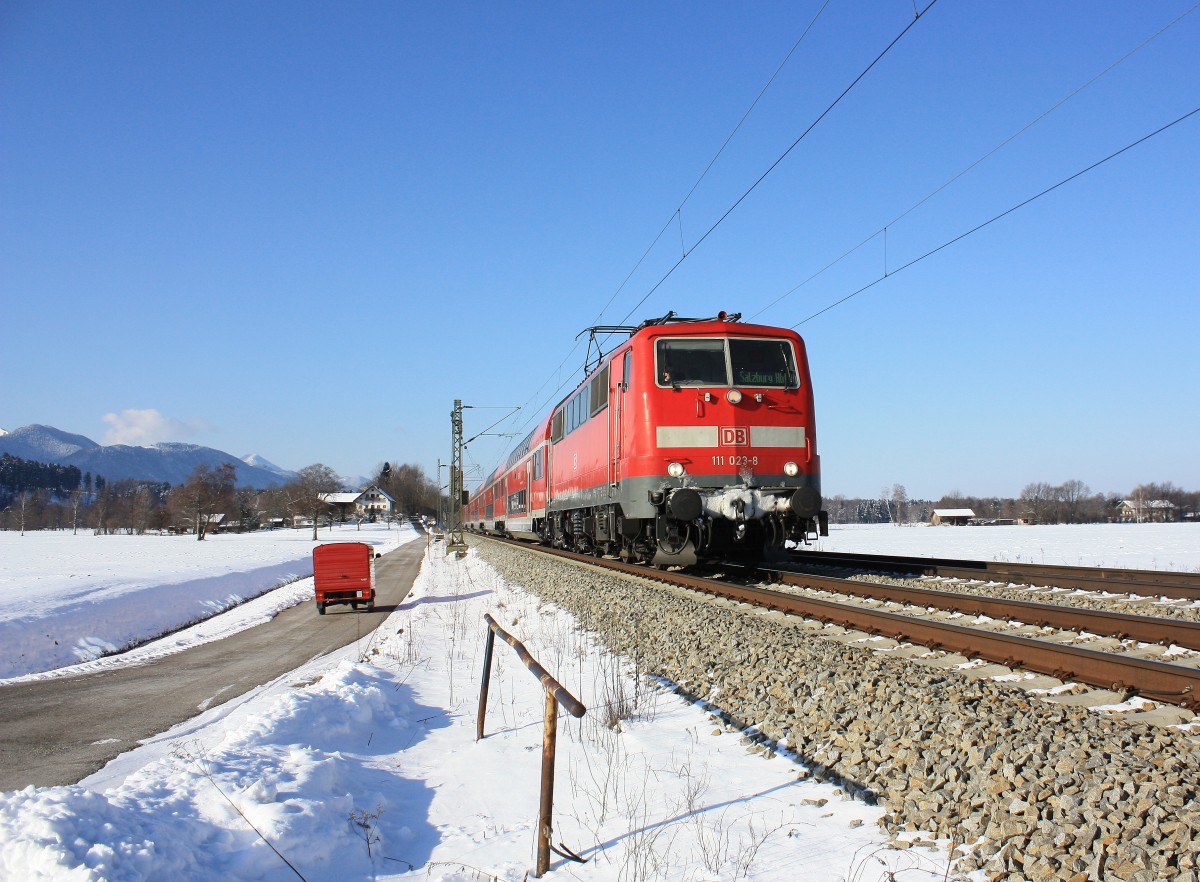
(168, 461)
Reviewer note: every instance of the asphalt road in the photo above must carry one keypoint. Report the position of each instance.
(49, 729)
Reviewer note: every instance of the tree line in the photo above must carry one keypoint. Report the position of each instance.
(36, 496)
(1071, 502)
(17, 475)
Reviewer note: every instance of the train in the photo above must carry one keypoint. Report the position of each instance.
(692, 441)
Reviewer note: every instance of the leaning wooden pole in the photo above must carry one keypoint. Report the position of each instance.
(555, 695)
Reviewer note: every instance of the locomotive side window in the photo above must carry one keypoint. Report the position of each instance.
(556, 425)
(763, 363)
(688, 361)
(598, 389)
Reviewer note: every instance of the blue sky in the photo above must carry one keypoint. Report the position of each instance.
(303, 229)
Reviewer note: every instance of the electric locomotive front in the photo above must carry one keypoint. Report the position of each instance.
(693, 440)
(720, 460)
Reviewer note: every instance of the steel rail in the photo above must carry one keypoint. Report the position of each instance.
(1169, 683)
(1123, 626)
(1148, 583)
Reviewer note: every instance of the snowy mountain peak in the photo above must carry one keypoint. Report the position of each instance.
(45, 443)
(261, 462)
(168, 461)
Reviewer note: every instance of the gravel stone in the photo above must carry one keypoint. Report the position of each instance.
(1039, 790)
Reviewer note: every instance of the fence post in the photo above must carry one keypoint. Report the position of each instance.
(554, 694)
(546, 808)
(483, 687)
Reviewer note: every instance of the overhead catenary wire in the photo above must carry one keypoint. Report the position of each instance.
(1021, 131)
(780, 159)
(1002, 214)
(675, 215)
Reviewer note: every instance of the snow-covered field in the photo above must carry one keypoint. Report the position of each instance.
(67, 599)
(1129, 546)
(364, 764)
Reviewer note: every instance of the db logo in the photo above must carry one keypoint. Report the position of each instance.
(734, 436)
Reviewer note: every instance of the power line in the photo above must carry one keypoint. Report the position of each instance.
(711, 163)
(1002, 214)
(781, 158)
(883, 230)
(676, 214)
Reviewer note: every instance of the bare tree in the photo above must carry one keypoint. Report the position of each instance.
(307, 492)
(408, 484)
(1072, 494)
(899, 504)
(1037, 500)
(76, 502)
(205, 491)
(21, 501)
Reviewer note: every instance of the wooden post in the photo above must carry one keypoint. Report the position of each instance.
(483, 687)
(546, 808)
(555, 693)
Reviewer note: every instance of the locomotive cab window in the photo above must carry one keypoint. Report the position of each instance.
(692, 361)
(763, 363)
(689, 361)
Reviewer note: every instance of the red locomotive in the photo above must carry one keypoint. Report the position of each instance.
(692, 440)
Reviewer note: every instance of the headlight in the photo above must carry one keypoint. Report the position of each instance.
(676, 470)
(791, 469)
(734, 396)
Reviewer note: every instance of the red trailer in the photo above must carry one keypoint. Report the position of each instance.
(344, 572)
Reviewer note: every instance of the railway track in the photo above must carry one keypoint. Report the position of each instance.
(1167, 682)
(1145, 583)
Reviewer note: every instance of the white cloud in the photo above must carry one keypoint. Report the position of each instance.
(145, 427)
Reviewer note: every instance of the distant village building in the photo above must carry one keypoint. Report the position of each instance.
(955, 517)
(1141, 511)
(374, 500)
(371, 501)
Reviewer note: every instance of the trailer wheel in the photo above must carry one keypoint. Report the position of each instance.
(320, 609)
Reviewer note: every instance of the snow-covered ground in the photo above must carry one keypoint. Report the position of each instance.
(67, 599)
(1129, 546)
(364, 764)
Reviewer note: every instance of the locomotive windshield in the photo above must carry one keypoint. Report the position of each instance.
(693, 361)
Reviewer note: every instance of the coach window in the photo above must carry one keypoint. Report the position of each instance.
(556, 426)
(538, 458)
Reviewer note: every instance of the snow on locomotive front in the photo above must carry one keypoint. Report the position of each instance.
(694, 440)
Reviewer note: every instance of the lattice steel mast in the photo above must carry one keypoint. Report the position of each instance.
(455, 541)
